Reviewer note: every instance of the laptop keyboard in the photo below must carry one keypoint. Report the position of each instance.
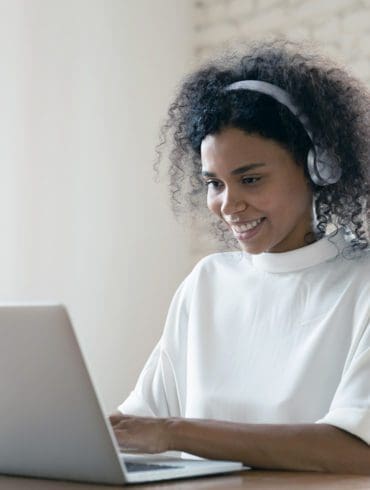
(148, 467)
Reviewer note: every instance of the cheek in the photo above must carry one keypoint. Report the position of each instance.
(213, 204)
(289, 202)
(299, 197)
(265, 204)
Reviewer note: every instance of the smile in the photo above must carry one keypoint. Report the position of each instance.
(246, 226)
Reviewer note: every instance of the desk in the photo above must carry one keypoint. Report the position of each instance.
(249, 480)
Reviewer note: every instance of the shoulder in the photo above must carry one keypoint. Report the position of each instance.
(351, 274)
(219, 263)
(357, 264)
(362, 272)
(216, 271)
(349, 261)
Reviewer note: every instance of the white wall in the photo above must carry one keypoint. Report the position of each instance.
(84, 85)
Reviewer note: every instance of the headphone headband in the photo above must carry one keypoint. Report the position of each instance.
(322, 168)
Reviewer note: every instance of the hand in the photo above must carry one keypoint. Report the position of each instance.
(141, 434)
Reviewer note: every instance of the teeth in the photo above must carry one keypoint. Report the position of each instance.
(246, 227)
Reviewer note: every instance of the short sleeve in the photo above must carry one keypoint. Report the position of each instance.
(350, 408)
(160, 389)
(151, 396)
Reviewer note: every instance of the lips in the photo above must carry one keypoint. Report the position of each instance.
(247, 231)
(246, 226)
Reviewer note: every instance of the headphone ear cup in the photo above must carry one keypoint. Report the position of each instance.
(322, 168)
(311, 166)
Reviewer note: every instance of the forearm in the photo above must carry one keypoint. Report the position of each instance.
(304, 447)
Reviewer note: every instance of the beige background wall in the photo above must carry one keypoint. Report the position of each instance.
(340, 27)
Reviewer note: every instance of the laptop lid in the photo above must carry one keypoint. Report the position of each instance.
(51, 422)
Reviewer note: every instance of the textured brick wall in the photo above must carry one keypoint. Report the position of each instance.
(340, 28)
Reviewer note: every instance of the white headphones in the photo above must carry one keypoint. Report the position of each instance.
(322, 168)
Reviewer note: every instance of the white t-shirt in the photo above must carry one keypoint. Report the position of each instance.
(279, 338)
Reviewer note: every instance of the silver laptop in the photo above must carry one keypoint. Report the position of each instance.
(51, 421)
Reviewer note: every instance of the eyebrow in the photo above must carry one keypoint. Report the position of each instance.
(236, 171)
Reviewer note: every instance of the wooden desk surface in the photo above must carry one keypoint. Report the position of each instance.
(249, 480)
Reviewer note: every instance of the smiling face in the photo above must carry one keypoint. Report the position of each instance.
(257, 188)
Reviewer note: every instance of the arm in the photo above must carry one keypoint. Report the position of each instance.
(303, 447)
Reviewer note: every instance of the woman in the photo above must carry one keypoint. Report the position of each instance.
(265, 356)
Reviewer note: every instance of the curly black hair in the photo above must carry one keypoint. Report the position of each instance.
(336, 103)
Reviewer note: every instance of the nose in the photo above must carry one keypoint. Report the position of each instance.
(232, 203)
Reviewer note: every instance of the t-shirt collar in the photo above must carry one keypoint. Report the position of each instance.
(324, 249)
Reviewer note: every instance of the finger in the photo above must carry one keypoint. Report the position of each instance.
(124, 441)
(116, 418)
(129, 450)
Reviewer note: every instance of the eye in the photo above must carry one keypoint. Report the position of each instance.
(250, 180)
(212, 183)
